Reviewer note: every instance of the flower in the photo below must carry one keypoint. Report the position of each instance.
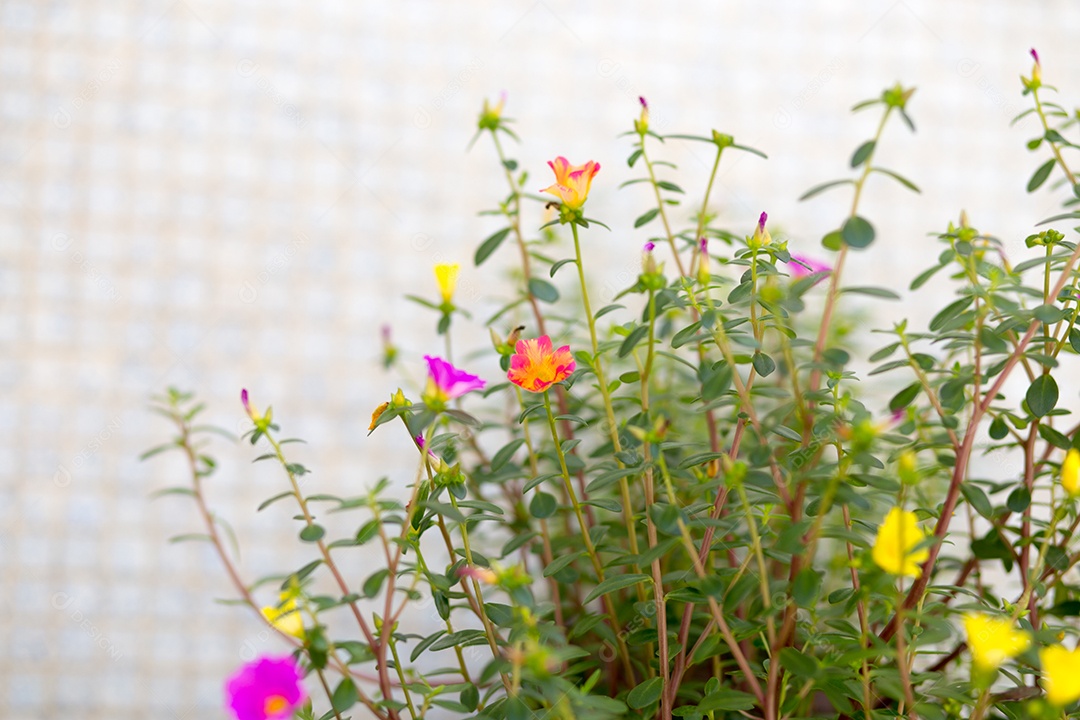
(1060, 674)
(480, 574)
(260, 420)
(265, 689)
(894, 548)
(993, 640)
(286, 617)
(535, 366)
(1070, 473)
(1036, 70)
(446, 382)
(446, 275)
(572, 182)
(801, 266)
(761, 235)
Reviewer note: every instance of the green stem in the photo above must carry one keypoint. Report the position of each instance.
(609, 411)
(590, 548)
(660, 207)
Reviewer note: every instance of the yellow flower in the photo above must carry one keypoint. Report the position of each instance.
(446, 275)
(993, 640)
(1070, 473)
(894, 548)
(1060, 674)
(285, 618)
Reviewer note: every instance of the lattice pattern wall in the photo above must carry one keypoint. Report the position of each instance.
(220, 195)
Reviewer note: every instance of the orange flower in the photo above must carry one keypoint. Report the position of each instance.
(535, 366)
(572, 181)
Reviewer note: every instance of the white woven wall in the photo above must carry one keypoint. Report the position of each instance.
(219, 195)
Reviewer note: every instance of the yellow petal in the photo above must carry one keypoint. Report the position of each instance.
(894, 548)
(1060, 674)
(1070, 473)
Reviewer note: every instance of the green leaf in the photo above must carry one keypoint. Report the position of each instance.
(561, 563)
(833, 241)
(899, 178)
(489, 246)
(798, 663)
(872, 291)
(555, 267)
(633, 339)
(1042, 395)
(374, 583)
(862, 153)
(998, 429)
(345, 695)
(857, 232)
(606, 309)
(978, 500)
(763, 364)
(470, 698)
(543, 505)
(949, 312)
(505, 453)
(614, 583)
(806, 586)
(817, 189)
(905, 397)
(646, 217)
(1018, 500)
(645, 694)
(543, 290)
(425, 644)
(925, 275)
(312, 533)
(726, 699)
(1040, 175)
(270, 501)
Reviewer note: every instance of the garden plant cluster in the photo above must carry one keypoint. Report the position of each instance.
(686, 504)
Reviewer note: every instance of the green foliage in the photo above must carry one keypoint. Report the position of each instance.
(692, 523)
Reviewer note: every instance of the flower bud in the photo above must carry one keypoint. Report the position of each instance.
(906, 468)
(641, 125)
(491, 115)
(703, 273)
(761, 235)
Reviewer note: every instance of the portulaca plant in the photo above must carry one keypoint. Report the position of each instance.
(686, 504)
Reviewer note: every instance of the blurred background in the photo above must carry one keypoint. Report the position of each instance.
(217, 195)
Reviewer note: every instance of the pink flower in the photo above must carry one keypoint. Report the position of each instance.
(268, 688)
(649, 246)
(1035, 55)
(446, 382)
(801, 266)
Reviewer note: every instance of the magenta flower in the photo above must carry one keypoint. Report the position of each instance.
(446, 382)
(422, 443)
(1035, 55)
(761, 221)
(268, 688)
(650, 246)
(801, 266)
